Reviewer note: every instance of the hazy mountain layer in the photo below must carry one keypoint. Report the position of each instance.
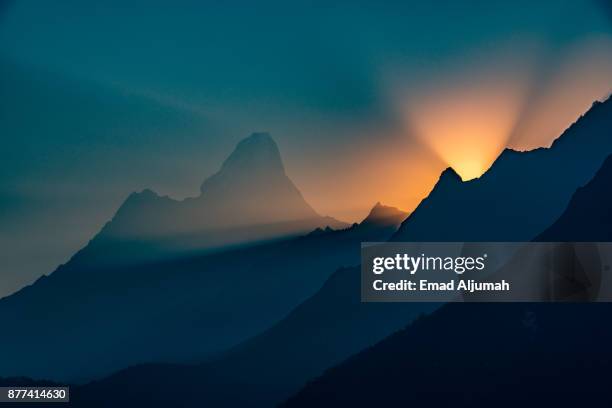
(71, 152)
(322, 331)
(249, 199)
(87, 321)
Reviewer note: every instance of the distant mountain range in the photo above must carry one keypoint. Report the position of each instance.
(249, 199)
(266, 329)
(333, 323)
(124, 300)
(520, 195)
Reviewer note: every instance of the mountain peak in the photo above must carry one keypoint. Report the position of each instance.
(255, 152)
(138, 199)
(256, 155)
(381, 215)
(449, 174)
(259, 136)
(257, 143)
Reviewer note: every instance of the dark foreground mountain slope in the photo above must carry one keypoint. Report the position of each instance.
(521, 194)
(481, 355)
(322, 331)
(469, 355)
(588, 216)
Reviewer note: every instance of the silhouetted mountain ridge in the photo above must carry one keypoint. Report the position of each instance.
(522, 192)
(588, 216)
(499, 354)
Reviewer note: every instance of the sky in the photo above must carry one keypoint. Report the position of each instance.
(368, 101)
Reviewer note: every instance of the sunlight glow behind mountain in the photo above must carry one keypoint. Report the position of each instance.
(469, 116)
(467, 127)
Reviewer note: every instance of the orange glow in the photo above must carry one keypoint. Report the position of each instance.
(395, 171)
(462, 118)
(470, 116)
(468, 124)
